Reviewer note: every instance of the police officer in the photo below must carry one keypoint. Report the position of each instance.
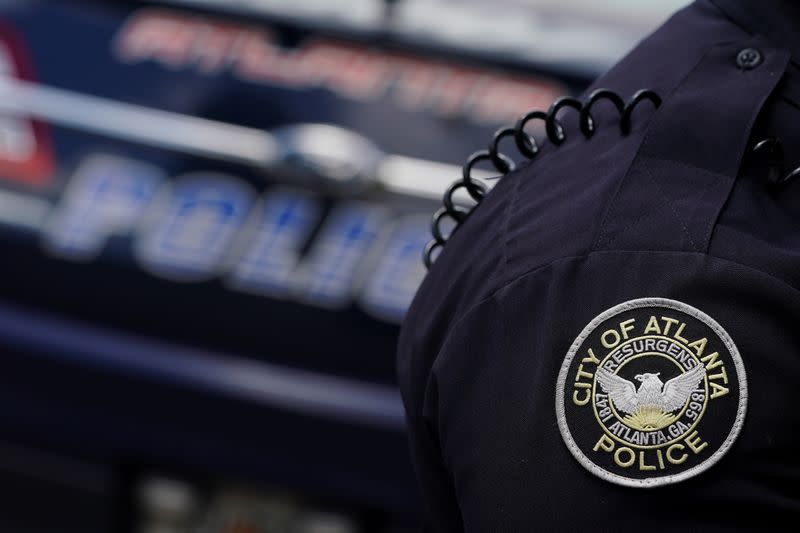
(611, 340)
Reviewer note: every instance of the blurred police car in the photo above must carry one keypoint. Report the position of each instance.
(212, 214)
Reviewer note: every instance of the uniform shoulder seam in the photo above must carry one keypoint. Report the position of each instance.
(505, 228)
(548, 264)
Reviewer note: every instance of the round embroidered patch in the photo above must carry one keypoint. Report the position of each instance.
(653, 391)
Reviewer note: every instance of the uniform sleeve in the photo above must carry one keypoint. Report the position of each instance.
(462, 390)
(512, 429)
(441, 512)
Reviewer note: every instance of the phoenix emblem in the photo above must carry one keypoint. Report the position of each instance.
(650, 407)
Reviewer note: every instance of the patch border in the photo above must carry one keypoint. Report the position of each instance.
(672, 478)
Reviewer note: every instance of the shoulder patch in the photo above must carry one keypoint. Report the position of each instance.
(652, 392)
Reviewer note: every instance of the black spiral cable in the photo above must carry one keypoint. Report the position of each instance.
(528, 147)
(771, 149)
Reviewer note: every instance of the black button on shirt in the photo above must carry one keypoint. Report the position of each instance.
(748, 59)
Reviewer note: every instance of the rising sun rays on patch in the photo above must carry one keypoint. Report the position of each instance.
(649, 418)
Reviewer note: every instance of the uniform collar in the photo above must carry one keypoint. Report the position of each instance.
(778, 20)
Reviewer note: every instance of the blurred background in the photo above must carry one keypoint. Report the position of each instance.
(211, 220)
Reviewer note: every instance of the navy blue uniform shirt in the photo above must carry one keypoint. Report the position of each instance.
(611, 340)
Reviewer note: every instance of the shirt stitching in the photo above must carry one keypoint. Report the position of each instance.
(536, 269)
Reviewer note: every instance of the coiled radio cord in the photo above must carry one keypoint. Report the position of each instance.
(528, 147)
